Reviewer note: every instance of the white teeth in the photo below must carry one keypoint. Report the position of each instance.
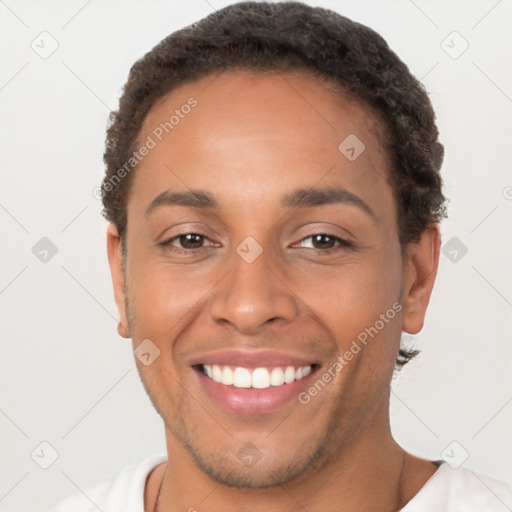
(227, 376)
(277, 377)
(289, 374)
(259, 378)
(217, 373)
(306, 370)
(242, 378)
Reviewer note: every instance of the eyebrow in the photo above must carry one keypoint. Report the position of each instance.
(300, 198)
(310, 197)
(193, 198)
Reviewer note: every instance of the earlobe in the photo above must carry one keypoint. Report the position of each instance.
(117, 273)
(122, 330)
(419, 277)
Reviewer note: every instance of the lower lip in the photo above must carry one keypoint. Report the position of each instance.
(250, 400)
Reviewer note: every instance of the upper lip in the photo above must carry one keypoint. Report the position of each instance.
(251, 358)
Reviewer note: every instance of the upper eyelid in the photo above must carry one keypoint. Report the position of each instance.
(175, 237)
(340, 239)
(205, 228)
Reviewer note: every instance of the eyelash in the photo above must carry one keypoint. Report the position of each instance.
(342, 243)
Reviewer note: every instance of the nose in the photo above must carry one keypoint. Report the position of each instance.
(253, 295)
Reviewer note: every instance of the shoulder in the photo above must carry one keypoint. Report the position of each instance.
(452, 490)
(122, 491)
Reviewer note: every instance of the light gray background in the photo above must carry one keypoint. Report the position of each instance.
(68, 379)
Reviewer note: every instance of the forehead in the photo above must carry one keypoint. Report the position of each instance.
(248, 135)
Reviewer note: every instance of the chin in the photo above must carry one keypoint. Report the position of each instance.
(248, 468)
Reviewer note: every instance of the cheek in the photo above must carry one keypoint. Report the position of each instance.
(163, 299)
(347, 297)
(352, 297)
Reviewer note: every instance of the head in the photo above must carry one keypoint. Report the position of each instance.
(273, 183)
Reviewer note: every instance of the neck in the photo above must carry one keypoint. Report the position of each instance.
(368, 473)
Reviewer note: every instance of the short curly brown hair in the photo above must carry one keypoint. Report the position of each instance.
(291, 36)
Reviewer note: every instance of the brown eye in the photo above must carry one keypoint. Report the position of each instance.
(185, 241)
(191, 241)
(323, 241)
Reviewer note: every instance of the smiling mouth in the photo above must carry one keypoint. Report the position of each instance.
(254, 378)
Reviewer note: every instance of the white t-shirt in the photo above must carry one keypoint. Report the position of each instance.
(447, 490)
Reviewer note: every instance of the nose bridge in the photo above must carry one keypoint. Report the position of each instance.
(252, 294)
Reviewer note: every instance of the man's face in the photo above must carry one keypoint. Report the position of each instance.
(265, 282)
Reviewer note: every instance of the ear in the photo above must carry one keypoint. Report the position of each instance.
(420, 273)
(116, 271)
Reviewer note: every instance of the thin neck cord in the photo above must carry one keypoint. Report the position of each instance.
(160, 491)
(400, 485)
